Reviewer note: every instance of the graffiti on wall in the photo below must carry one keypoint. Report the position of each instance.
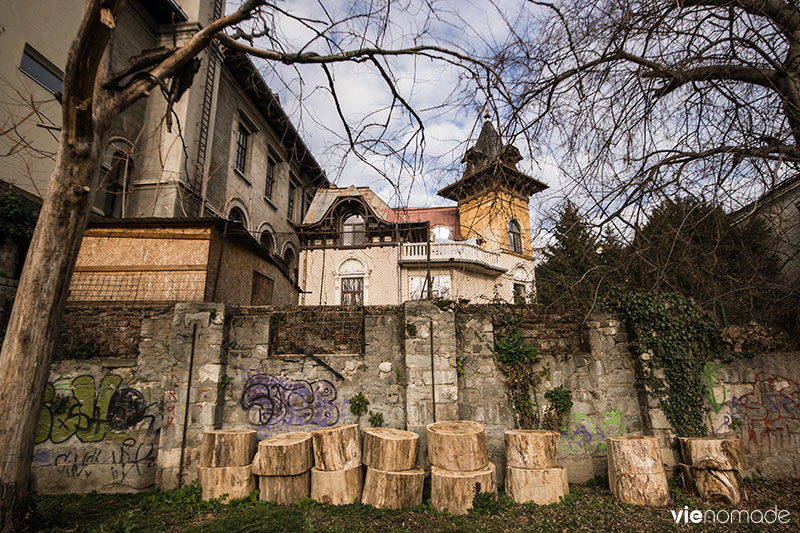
(80, 408)
(711, 378)
(584, 434)
(770, 411)
(129, 459)
(281, 401)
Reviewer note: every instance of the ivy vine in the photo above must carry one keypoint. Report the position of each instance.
(17, 218)
(516, 358)
(673, 334)
(560, 406)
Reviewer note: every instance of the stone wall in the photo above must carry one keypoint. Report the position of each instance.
(133, 421)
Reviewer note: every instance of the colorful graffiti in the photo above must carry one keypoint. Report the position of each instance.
(88, 411)
(710, 374)
(770, 411)
(129, 458)
(277, 401)
(584, 434)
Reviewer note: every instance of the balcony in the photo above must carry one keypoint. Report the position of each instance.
(451, 252)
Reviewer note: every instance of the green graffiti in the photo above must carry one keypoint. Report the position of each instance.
(583, 433)
(709, 371)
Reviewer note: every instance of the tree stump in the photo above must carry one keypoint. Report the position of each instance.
(227, 447)
(711, 468)
(233, 481)
(285, 490)
(336, 448)
(454, 490)
(541, 486)
(393, 490)
(390, 450)
(635, 471)
(288, 454)
(531, 448)
(336, 487)
(457, 446)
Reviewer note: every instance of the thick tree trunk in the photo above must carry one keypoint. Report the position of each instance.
(393, 490)
(285, 490)
(337, 448)
(234, 481)
(455, 491)
(531, 448)
(337, 487)
(636, 472)
(390, 449)
(541, 486)
(288, 454)
(457, 446)
(228, 447)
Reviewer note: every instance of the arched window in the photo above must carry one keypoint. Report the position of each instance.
(514, 237)
(442, 233)
(267, 241)
(353, 231)
(288, 258)
(237, 215)
(110, 198)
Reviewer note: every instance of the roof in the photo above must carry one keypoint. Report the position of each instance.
(436, 216)
(325, 197)
(517, 179)
(163, 11)
(784, 187)
(245, 72)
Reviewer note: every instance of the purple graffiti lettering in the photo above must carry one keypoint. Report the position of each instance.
(291, 402)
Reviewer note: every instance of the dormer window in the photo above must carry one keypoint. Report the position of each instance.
(514, 237)
(353, 231)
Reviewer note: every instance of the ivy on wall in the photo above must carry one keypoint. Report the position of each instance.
(517, 358)
(672, 334)
(17, 219)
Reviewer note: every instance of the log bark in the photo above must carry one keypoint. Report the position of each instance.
(227, 447)
(714, 486)
(393, 490)
(541, 486)
(636, 472)
(390, 450)
(712, 453)
(455, 491)
(288, 454)
(337, 448)
(531, 448)
(336, 487)
(285, 490)
(457, 446)
(227, 482)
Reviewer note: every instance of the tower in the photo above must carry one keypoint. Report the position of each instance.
(493, 195)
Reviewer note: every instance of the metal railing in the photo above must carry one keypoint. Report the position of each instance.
(450, 251)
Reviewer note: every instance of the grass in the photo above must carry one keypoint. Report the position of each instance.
(586, 508)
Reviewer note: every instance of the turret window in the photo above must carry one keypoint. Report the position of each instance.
(514, 237)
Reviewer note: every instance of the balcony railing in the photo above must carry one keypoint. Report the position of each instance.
(450, 251)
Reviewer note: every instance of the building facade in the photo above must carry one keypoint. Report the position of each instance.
(356, 250)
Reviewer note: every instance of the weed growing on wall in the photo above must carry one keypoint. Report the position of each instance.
(358, 404)
(672, 334)
(376, 419)
(560, 406)
(517, 358)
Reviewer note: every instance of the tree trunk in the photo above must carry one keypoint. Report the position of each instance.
(714, 486)
(390, 450)
(336, 487)
(393, 490)
(288, 454)
(712, 453)
(455, 491)
(235, 481)
(228, 447)
(541, 486)
(635, 471)
(285, 490)
(337, 448)
(531, 448)
(457, 446)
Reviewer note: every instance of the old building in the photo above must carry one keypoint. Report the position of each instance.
(227, 149)
(356, 250)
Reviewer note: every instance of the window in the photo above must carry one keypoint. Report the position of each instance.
(267, 241)
(304, 208)
(262, 289)
(290, 208)
(270, 178)
(520, 294)
(418, 291)
(237, 215)
(242, 138)
(109, 198)
(40, 70)
(352, 291)
(442, 233)
(288, 258)
(514, 237)
(353, 231)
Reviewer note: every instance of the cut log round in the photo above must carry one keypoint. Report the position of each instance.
(285, 490)
(336, 487)
(457, 446)
(543, 486)
(337, 448)
(714, 486)
(712, 453)
(233, 481)
(390, 450)
(531, 448)
(227, 447)
(636, 472)
(288, 454)
(455, 491)
(393, 490)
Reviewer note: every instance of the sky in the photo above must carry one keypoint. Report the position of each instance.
(449, 106)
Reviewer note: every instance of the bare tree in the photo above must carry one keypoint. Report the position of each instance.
(92, 98)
